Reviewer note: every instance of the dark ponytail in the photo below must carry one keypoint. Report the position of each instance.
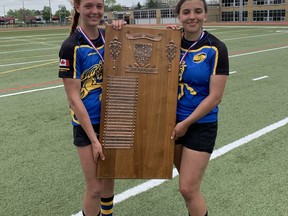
(74, 22)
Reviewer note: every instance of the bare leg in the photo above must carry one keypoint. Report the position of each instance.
(94, 187)
(177, 156)
(192, 169)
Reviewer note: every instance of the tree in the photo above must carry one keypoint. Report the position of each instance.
(139, 6)
(46, 13)
(117, 7)
(21, 14)
(110, 3)
(62, 13)
(151, 4)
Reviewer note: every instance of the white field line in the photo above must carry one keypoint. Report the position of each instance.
(32, 36)
(253, 36)
(18, 51)
(260, 51)
(216, 153)
(31, 91)
(259, 78)
(232, 56)
(232, 72)
(32, 62)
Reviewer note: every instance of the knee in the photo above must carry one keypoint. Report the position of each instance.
(94, 194)
(188, 192)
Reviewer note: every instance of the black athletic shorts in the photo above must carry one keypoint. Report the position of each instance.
(80, 137)
(200, 137)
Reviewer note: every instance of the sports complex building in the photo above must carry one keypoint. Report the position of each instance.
(224, 11)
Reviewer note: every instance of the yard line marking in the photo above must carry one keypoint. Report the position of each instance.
(30, 91)
(31, 36)
(216, 153)
(232, 72)
(253, 36)
(22, 63)
(259, 78)
(232, 56)
(285, 31)
(20, 69)
(260, 51)
(17, 51)
(225, 149)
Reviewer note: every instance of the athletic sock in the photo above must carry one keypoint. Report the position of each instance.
(107, 206)
(85, 215)
(204, 215)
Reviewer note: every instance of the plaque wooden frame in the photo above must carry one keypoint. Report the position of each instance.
(139, 101)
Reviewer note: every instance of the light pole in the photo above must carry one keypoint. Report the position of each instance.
(241, 10)
(23, 10)
(50, 11)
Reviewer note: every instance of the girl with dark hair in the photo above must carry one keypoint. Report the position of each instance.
(81, 67)
(203, 73)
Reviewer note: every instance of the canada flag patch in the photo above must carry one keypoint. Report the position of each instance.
(64, 63)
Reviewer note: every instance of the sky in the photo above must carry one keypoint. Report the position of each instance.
(5, 5)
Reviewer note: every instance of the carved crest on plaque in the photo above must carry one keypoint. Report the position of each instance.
(170, 53)
(142, 53)
(115, 47)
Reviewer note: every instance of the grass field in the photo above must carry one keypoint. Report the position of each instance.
(40, 172)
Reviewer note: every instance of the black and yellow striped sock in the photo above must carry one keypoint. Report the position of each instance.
(107, 206)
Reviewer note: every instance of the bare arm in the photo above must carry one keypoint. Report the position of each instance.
(217, 86)
(72, 88)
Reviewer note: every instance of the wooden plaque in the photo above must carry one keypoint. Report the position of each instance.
(139, 102)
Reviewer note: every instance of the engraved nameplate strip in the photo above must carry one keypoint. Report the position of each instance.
(120, 114)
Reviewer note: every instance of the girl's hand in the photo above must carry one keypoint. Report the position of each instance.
(117, 24)
(97, 152)
(179, 130)
(175, 27)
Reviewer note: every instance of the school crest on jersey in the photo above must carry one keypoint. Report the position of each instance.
(199, 57)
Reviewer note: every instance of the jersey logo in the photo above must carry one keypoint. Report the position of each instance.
(199, 57)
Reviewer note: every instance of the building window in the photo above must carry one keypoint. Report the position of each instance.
(136, 14)
(144, 14)
(233, 3)
(227, 16)
(227, 3)
(276, 15)
(165, 13)
(268, 2)
(259, 2)
(260, 15)
(120, 16)
(233, 16)
(152, 14)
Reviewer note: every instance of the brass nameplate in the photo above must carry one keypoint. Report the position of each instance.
(120, 112)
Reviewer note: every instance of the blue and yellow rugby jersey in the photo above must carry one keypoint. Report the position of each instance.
(208, 57)
(78, 60)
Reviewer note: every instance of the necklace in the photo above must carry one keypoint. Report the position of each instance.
(192, 45)
(90, 42)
